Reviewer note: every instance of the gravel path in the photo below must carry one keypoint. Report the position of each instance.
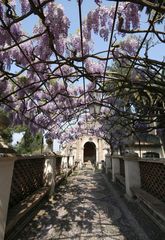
(85, 207)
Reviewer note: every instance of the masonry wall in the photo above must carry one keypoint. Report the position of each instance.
(145, 149)
(78, 148)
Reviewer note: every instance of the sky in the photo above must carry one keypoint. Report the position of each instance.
(71, 10)
(17, 138)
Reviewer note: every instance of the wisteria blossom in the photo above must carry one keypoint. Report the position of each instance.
(50, 75)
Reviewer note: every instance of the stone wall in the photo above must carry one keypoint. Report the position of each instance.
(78, 149)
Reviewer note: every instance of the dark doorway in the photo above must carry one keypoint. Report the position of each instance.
(90, 152)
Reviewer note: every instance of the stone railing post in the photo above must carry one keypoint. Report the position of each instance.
(115, 166)
(50, 172)
(79, 166)
(107, 163)
(132, 172)
(49, 146)
(71, 161)
(6, 173)
(65, 162)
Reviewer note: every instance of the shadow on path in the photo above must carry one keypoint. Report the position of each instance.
(82, 208)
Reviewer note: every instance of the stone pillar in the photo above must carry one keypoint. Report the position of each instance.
(82, 156)
(97, 155)
(6, 173)
(132, 173)
(99, 151)
(49, 147)
(50, 172)
(65, 162)
(102, 155)
(71, 161)
(79, 163)
(115, 166)
(107, 163)
(80, 153)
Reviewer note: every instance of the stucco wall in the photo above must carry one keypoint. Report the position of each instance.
(78, 148)
(145, 149)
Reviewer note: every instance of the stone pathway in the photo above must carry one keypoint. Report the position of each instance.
(83, 208)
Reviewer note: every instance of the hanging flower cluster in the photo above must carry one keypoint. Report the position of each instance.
(43, 74)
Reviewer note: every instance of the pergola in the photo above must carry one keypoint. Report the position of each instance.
(50, 77)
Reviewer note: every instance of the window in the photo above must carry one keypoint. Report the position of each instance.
(151, 155)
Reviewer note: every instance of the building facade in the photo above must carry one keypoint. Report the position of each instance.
(85, 149)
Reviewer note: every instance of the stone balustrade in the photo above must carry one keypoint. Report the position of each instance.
(22, 177)
(152, 174)
(140, 172)
(6, 173)
(143, 178)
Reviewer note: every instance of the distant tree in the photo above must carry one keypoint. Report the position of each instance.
(6, 134)
(29, 143)
(5, 131)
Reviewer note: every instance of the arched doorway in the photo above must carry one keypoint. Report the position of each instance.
(90, 152)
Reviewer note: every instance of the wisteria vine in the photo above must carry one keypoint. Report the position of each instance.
(41, 72)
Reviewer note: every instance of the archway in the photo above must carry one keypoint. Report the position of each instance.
(90, 152)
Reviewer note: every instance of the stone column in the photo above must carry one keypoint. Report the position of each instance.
(97, 155)
(49, 147)
(65, 161)
(79, 157)
(115, 166)
(50, 172)
(6, 173)
(82, 157)
(71, 160)
(107, 162)
(102, 156)
(99, 151)
(78, 154)
(132, 172)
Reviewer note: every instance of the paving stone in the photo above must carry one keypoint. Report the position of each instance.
(84, 208)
